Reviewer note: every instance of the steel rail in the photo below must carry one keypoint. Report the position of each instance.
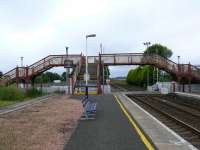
(176, 107)
(180, 122)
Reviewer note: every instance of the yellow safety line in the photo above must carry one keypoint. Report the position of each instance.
(144, 139)
(82, 93)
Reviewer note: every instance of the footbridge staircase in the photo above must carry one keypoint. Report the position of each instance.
(96, 63)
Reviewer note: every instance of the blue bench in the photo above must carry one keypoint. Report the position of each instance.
(89, 109)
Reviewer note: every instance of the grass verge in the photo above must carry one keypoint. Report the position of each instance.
(11, 95)
(124, 84)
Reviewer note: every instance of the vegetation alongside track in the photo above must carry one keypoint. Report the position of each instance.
(11, 95)
(125, 85)
(138, 76)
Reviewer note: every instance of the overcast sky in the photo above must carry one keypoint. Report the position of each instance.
(37, 28)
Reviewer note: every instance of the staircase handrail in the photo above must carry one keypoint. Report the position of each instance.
(76, 72)
(12, 73)
(142, 58)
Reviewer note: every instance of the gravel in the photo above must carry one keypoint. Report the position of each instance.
(47, 125)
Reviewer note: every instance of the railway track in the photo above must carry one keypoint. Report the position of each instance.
(23, 105)
(188, 102)
(117, 88)
(176, 117)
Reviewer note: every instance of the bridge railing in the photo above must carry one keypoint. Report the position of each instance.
(169, 65)
(40, 66)
(93, 59)
(122, 58)
(51, 61)
(161, 62)
(149, 59)
(195, 71)
(107, 59)
(10, 74)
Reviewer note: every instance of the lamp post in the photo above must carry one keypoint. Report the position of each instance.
(101, 48)
(147, 45)
(86, 66)
(178, 59)
(179, 67)
(22, 61)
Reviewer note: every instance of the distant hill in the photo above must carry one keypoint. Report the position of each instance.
(118, 78)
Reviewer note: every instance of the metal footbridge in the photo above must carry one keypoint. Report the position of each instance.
(96, 63)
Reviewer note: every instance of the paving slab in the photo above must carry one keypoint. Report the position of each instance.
(109, 131)
(162, 136)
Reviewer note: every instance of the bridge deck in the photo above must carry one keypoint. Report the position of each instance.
(111, 129)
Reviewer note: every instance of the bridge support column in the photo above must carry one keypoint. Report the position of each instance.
(26, 80)
(183, 87)
(99, 90)
(189, 86)
(71, 91)
(173, 86)
(33, 82)
(17, 77)
(179, 84)
(190, 77)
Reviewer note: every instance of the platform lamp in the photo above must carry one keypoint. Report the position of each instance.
(86, 66)
(178, 59)
(178, 62)
(147, 45)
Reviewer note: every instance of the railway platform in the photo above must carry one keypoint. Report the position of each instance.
(161, 136)
(193, 95)
(110, 130)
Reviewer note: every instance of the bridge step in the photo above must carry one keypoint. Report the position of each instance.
(81, 90)
(92, 83)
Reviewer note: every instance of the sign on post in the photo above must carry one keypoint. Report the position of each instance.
(68, 63)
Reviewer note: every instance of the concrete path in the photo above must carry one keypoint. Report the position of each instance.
(110, 131)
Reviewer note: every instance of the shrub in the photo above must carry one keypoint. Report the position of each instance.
(33, 92)
(11, 93)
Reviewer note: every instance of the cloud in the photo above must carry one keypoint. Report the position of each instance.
(34, 29)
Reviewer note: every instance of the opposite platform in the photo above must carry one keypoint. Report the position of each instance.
(162, 137)
(110, 131)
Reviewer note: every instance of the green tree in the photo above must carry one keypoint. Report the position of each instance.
(1, 74)
(138, 76)
(38, 79)
(106, 72)
(160, 50)
(47, 77)
(63, 76)
(53, 76)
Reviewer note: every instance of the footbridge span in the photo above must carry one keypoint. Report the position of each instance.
(96, 63)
